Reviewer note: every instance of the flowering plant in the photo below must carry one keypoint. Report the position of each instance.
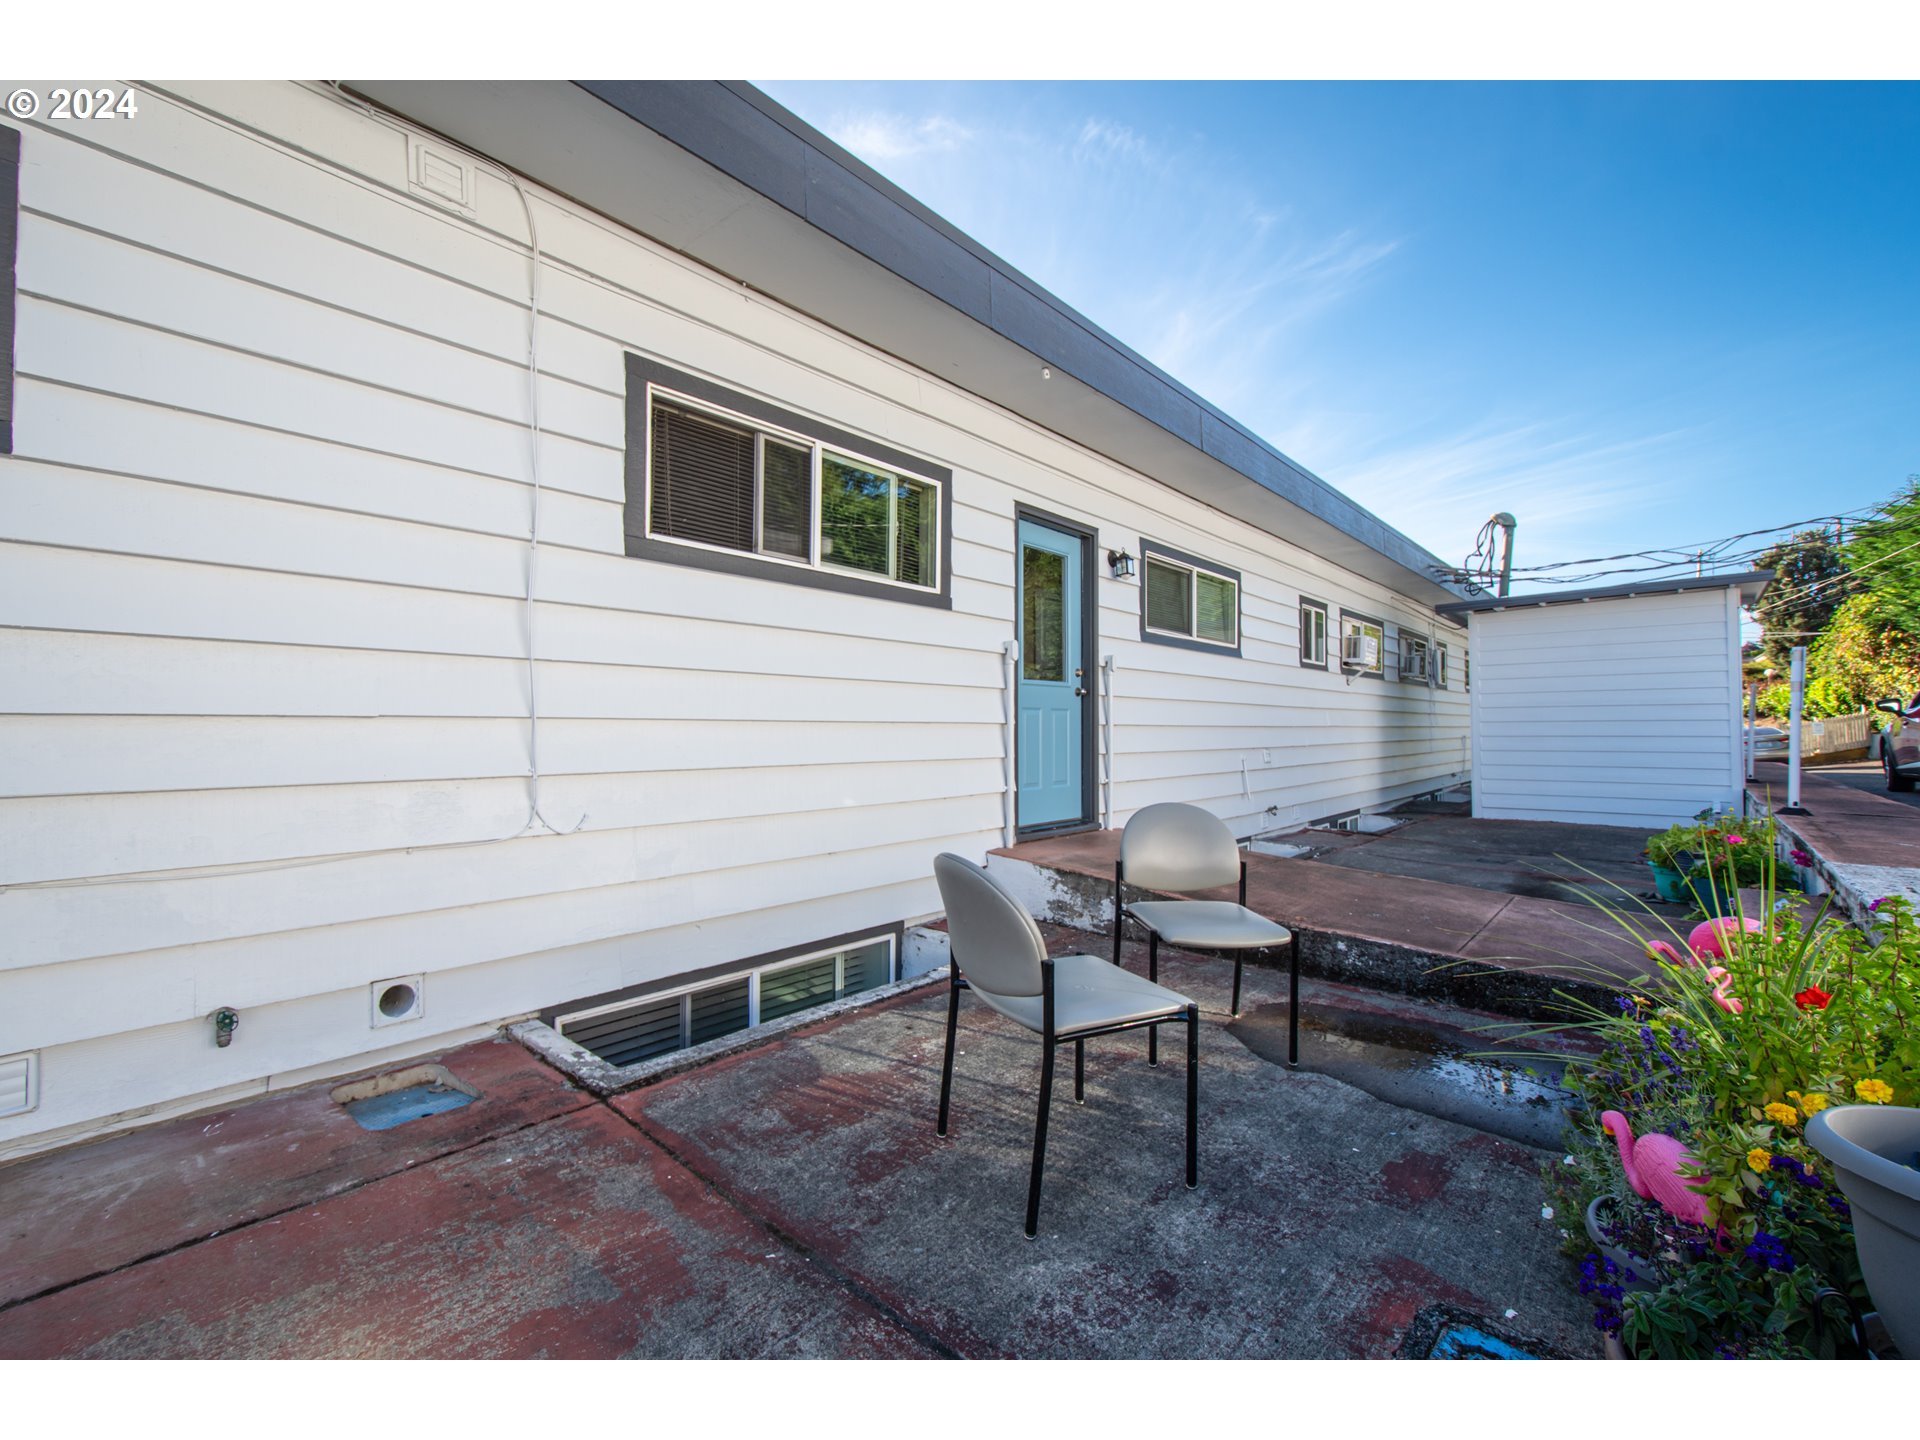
(1741, 1032)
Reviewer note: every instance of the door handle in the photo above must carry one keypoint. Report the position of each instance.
(1079, 690)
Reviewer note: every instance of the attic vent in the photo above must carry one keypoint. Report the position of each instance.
(19, 1083)
(439, 175)
(630, 1031)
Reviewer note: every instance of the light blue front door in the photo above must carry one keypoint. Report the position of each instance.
(1053, 683)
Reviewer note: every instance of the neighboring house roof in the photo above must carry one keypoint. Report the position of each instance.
(746, 187)
(1749, 584)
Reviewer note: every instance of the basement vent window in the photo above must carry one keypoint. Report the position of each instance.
(19, 1083)
(627, 1032)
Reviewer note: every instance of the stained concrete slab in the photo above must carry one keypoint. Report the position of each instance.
(574, 1237)
(92, 1208)
(1323, 1221)
(1847, 824)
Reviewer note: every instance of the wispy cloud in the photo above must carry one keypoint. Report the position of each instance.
(1560, 478)
(877, 136)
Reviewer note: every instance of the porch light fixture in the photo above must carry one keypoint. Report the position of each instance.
(1121, 563)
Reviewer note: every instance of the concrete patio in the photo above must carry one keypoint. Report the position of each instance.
(793, 1200)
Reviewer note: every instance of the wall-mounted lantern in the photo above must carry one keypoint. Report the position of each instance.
(1121, 563)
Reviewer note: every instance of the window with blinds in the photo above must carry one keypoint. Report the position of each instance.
(1189, 601)
(627, 1032)
(726, 482)
(1313, 633)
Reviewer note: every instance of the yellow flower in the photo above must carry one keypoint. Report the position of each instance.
(1874, 1092)
(1759, 1160)
(1812, 1105)
(1785, 1114)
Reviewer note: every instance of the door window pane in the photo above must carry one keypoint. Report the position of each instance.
(1043, 623)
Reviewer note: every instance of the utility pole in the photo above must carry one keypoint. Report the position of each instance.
(1507, 523)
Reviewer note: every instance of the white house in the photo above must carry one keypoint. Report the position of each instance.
(1611, 706)
(478, 550)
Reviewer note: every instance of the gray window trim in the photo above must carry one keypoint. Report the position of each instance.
(729, 969)
(9, 246)
(1365, 619)
(1192, 562)
(642, 373)
(1307, 602)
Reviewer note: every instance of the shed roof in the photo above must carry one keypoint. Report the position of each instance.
(1749, 584)
(722, 173)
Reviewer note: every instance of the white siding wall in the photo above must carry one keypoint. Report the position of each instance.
(262, 560)
(1612, 712)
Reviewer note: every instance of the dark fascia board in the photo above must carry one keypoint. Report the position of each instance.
(1749, 584)
(746, 134)
(855, 251)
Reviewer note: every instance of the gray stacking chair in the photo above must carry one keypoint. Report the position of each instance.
(1182, 848)
(1072, 997)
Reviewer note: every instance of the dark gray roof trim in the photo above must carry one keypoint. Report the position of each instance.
(1753, 580)
(744, 134)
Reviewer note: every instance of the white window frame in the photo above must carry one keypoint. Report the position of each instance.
(1317, 661)
(1191, 635)
(685, 993)
(817, 449)
(1416, 648)
(1360, 624)
(1440, 665)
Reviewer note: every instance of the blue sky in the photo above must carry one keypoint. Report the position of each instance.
(1634, 315)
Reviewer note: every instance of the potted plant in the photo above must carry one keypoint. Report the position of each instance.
(1669, 879)
(1745, 1031)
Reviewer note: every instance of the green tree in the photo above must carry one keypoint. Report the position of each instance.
(1865, 653)
(1810, 581)
(1885, 552)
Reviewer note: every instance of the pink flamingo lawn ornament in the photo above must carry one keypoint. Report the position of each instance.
(1653, 1165)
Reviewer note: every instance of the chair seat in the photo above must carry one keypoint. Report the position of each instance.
(1208, 924)
(1090, 994)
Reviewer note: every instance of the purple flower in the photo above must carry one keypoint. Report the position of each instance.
(1800, 857)
(1883, 900)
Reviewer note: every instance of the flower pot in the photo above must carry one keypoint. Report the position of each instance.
(1624, 1260)
(1873, 1149)
(1668, 883)
(1714, 898)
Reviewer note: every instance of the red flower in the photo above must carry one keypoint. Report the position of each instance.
(1812, 998)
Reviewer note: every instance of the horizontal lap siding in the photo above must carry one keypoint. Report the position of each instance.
(1614, 712)
(262, 570)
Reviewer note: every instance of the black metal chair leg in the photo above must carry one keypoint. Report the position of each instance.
(1293, 1004)
(1193, 1094)
(1153, 974)
(1080, 1072)
(1046, 1098)
(1236, 983)
(946, 1067)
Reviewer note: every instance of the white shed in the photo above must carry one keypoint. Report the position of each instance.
(1614, 706)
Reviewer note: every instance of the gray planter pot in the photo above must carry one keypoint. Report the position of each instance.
(1625, 1260)
(1872, 1148)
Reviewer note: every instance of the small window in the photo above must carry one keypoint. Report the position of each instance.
(723, 482)
(1439, 665)
(628, 1031)
(1416, 655)
(1363, 646)
(1184, 601)
(1313, 633)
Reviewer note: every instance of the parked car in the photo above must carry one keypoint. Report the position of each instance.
(1900, 746)
(1769, 742)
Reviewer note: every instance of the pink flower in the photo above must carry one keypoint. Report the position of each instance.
(1736, 839)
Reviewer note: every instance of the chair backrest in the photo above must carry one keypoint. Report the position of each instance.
(1178, 848)
(995, 941)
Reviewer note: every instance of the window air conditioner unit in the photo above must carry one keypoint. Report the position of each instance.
(1362, 651)
(1413, 666)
